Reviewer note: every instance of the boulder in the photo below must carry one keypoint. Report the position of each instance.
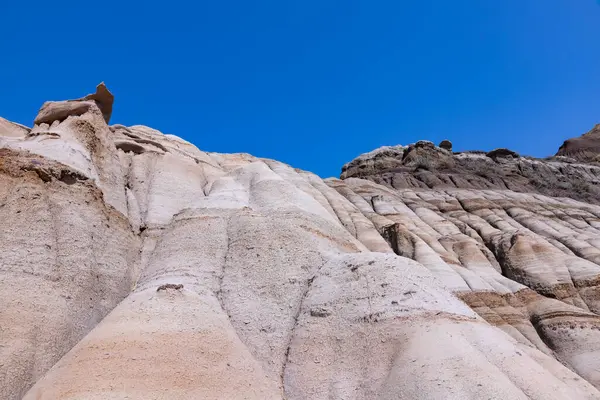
(446, 145)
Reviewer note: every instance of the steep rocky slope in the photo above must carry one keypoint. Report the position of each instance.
(135, 266)
(584, 148)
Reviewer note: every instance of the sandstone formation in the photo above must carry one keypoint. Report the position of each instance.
(57, 111)
(12, 129)
(136, 266)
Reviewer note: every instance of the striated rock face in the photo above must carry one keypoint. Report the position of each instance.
(585, 148)
(135, 266)
(425, 166)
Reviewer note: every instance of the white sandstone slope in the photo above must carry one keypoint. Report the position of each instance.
(135, 266)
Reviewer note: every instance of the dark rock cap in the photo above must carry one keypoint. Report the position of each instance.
(446, 145)
(502, 153)
(584, 148)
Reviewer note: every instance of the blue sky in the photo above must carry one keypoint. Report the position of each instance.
(315, 83)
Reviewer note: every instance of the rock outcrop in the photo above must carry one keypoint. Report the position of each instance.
(425, 166)
(57, 111)
(135, 266)
(584, 148)
(12, 129)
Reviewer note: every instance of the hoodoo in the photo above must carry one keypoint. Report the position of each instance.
(136, 266)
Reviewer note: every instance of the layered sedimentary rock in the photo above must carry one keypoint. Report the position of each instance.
(136, 266)
(423, 165)
(584, 148)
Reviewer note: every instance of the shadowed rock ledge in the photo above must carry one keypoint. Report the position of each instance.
(136, 266)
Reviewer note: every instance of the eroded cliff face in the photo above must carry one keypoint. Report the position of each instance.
(423, 165)
(136, 266)
(584, 148)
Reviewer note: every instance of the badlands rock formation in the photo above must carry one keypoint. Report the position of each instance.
(423, 165)
(583, 148)
(135, 266)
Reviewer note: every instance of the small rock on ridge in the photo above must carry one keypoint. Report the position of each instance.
(446, 145)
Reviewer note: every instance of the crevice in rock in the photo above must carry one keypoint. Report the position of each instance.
(286, 361)
(152, 143)
(329, 203)
(130, 147)
(219, 293)
(390, 234)
(70, 177)
(64, 175)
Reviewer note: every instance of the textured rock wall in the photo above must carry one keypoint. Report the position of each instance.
(527, 264)
(585, 148)
(426, 166)
(136, 266)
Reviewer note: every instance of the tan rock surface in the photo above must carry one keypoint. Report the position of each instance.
(12, 129)
(52, 111)
(135, 266)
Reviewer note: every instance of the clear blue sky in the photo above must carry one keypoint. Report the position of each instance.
(315, 83)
